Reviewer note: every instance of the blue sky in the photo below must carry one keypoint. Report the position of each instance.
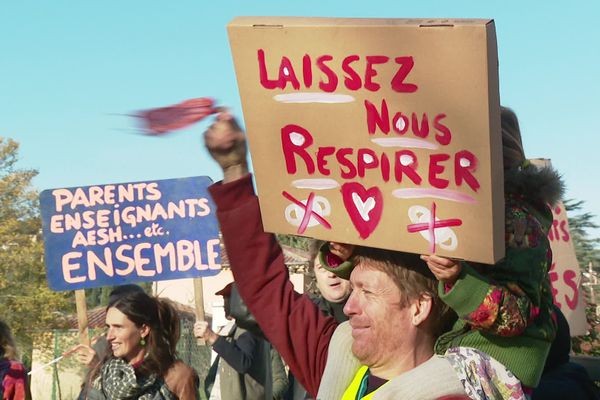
(68, 69)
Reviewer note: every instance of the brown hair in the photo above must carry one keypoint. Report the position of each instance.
(8, 349)
(413, 279)
(158, 314)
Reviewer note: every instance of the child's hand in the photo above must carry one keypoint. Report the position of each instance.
(444, 269)
(342, 250)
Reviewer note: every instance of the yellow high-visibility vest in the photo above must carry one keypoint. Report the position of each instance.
(351, 392)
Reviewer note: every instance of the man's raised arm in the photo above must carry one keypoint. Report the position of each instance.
(226, 143)
(291, 322)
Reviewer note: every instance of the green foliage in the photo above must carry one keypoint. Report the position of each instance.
(297, 242)
(589, 344)
(27, 305)
(587, 249)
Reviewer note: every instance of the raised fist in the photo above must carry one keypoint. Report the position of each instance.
(226, 142)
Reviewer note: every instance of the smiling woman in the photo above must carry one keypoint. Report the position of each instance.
(142, 332)
(126, 339)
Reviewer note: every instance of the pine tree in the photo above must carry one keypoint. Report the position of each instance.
(587, 249)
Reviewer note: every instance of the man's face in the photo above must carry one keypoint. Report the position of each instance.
(123, 335)
(377, 318)
(332, 288)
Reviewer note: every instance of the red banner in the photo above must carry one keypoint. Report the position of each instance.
(162, 120)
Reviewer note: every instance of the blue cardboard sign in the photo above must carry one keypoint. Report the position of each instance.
(129, 232)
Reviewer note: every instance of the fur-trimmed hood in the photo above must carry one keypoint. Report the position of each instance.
(538, 185)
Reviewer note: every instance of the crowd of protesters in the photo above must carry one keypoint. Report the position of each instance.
(399, 342)
(380, 324)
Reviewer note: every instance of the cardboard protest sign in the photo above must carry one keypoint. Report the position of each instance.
(129, 232)
(565, 274)
(380, 132)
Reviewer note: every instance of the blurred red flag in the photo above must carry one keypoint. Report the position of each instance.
(162, 120)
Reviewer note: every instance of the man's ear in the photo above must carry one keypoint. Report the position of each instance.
(420, 309)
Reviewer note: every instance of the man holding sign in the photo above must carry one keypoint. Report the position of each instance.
(394, 306)
(392, 153)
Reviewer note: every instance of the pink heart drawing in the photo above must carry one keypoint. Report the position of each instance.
(364, 206)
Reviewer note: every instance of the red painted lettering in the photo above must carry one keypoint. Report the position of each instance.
(569, 277)
(385, 167)
(370, 72)
(287, 74)
(444, 136)
(332, 80)
(398, 84)
(422, 132)
(406, 164)
(307, 71)
(262, 68)
(553, 233)
(435, 169)
(465, 163)
(294, 141)
(366, 159)
(400, 127)
(377, 120)
(565, 232)
(321, 161)
(352, 79)
(342, 158)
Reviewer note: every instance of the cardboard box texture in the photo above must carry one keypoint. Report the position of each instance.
(378, 132)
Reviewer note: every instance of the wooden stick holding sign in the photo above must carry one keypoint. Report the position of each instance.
(199, 302)
(82, 320)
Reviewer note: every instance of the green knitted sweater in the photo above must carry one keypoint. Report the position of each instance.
(505, 310)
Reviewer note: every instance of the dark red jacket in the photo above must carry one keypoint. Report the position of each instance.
(290, 321)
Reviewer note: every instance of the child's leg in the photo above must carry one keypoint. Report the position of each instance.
(430, 380)
(482, 376)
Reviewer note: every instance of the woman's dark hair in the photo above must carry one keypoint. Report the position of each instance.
(7, 342)
(122, 290)
(161, 317)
